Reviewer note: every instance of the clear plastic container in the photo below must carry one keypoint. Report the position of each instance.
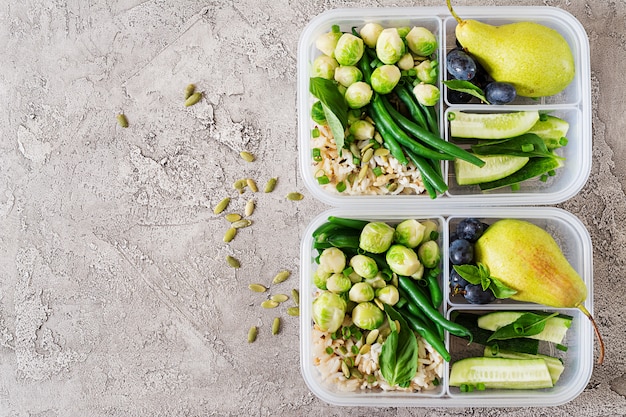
(575, 243)
(574, 103)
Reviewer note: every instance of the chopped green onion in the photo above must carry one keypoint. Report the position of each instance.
(480, 386)
(355, 349)
(543, 178)
(529, 147)
(322, 180)
(317, 154)
(378, 171)
(561, 347)
(563, 141)
(335, 28)
(515, 187)
(348, 271)
(329, 350)
(551, 173)
(356, 161)
(315, 133)
(341, 186)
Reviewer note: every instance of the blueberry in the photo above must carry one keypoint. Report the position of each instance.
(457, 281)
(470, 229)
(461, 252)
(460, 65)
(500, 93)
(475, 294)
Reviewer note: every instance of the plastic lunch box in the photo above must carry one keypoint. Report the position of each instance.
(573, 104)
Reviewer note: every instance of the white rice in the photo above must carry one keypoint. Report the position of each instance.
(395, 179)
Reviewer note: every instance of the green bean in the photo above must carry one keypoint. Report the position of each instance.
(436, 297)
(423, 330)
(406, 96)
(428, 173)
(389, 139)
(351, 223)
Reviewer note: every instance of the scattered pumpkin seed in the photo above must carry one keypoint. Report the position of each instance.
(366, 147)
(252, 334)
(378, 138)
(354, 149)
(230, 234)
(343, 350)
(240, 184)
(269, 304)
(367, 155)
(281, 277)
(193, 99)
(270, 185)
(294, 196)
(232, 262)
(371, 379)
(233, 217)
(249, 207)
(392, 187)
(122, 120)
(381, 152)
(365, 349)
(363, 172)
(221, 206)
(276, 325)
(293, 311)
(246, 156)
(371, 337)
(379, 304)
(295, 296)
(257, 287)
(252, 185)
(241, 223)
(356, 373)
(279, 298)
(345, 369)
(189, 90)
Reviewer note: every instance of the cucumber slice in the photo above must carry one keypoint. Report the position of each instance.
(495, 168)
(554, 331)
(555, 366)
(491, 125)
(551, 129)
(501, 373)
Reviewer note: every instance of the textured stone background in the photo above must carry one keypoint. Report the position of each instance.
(114, 296)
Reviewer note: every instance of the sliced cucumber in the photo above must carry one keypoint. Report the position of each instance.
(554, 330)
(551, 129)
(555, 365)
(491, 125)
(501, 373)
(495, 168)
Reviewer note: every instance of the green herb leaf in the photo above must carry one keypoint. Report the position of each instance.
(334, 105)
(480, 274)
(500, 290)
(466, 87)
(398, 356)
(470, 273)
(528, 324)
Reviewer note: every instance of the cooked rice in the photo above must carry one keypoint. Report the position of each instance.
(395, 179)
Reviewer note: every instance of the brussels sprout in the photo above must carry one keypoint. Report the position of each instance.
(362, 130)
(431, 231)
(370, 32)
(409, 233)
(389, 46)
(319, 279)
(361, 292)
(426, 94)
(358, 95)
(427, 72)
(421, 41)
(347, 75)
(349, 49)
(402, 260)
(377, 282)
(388, 294)
(317, 113)
(406, 62)
(324, 67)
(376, 237)
(419, 274)
(338, 283)
(364, 266)
(403, 31)
(329, 310)
(354, 277)
(332, 260)
(429, 254)
(367, 316)
(385, 78)
(327, 42)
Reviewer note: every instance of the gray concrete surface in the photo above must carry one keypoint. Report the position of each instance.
(115, 299)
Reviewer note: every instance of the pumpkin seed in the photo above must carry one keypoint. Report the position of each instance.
(230, 234)
(293, 311)
(279, 298)
(252, 334)
(189, 90)
(381, 152)
(252, 185)
(269, 304)
(270, 185)
(221, 206)
(393, 187)
(281, 277)
(365, 349)
(193, 99)
(241, 223)
(240, 184)
(295, 296)
(363, 172)
(378, 138)
(345, 369)
(379, 304)
(367, 155)
(246, 156)
(356, 373)
(343, 350)
(366, 147)
(371, 337)
(294, 196)
(257, 287)
(354, 149)
(276, 325)
(249, 208)
(122, 120)
(233, 217)
(232, 262)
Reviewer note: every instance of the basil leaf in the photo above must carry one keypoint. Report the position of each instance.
(500, 290)
(398, 356)
(528, 324)
(480, 274)
(334, 105)
(469, 273)
(335, 127)
(466, 87)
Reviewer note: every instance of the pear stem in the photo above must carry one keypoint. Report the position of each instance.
(453, 13)
(596, 330)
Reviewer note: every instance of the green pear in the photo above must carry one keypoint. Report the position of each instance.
(532, 57)
(526, 258)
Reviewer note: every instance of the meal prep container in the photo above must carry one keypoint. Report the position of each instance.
(573, 105)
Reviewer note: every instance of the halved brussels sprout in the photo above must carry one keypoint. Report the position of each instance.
(362, 130)
(370, 32)
(328, 311)
(421, 41)
(358, 95)
(347, 75)
(338, 283)
(402, 260)
(361, 292)
(376, 237)
(364, 266)
(429, 254)
(409, 233)
(385, 78)
(367, 316)
(332, 260)
(431, 230)
(406, 62)
(349, 49)
(327, 42)
(320, 277)
(426, 94)
(427, 72)
(419, 274)
(389, 46)
(317, 113)
(389, 294)
(324, 67)
(376, 282)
